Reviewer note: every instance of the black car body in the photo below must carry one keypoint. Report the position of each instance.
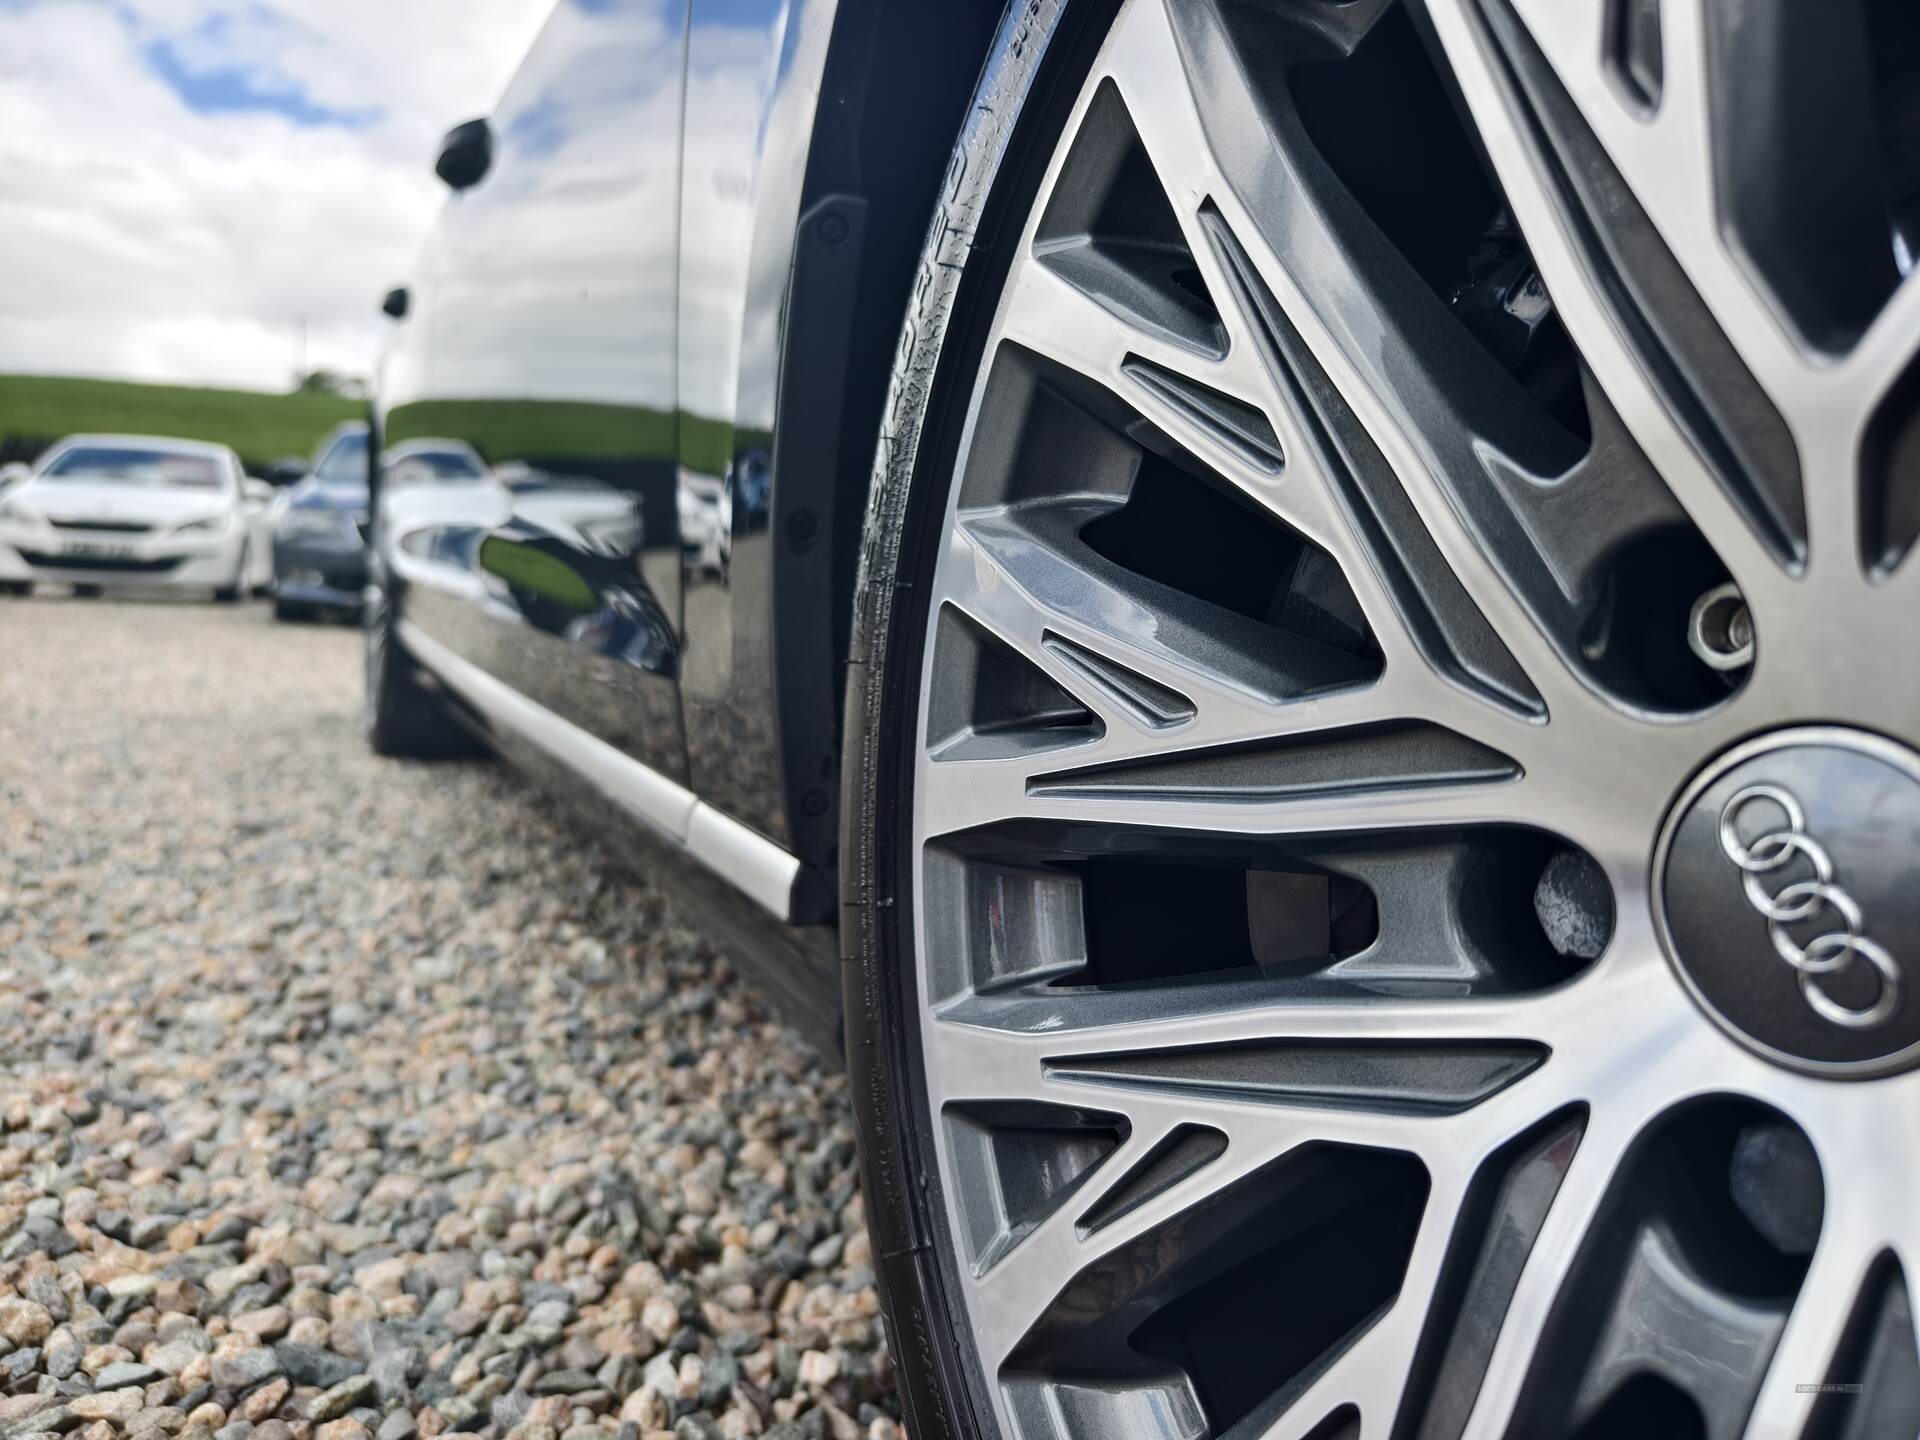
(319, 532)
(610, 324)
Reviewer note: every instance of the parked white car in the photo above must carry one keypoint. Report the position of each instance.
(423, 462)
(133, 510)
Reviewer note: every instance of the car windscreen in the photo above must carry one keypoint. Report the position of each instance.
(345, 462)
(435, 465)
(129, 465)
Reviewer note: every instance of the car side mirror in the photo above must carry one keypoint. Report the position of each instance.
(465, 155)
(395, 305)
(255, 492)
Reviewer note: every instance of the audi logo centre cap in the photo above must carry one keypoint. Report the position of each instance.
(1787, 888)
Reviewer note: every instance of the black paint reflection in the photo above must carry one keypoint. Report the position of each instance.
(753, 73)
(600, 321)
(576, 580)
(541, 338)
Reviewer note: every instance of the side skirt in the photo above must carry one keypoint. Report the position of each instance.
(753, 864)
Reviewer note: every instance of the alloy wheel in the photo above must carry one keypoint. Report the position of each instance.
(1416, 794)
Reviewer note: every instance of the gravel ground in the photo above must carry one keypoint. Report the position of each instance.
(349, 1098)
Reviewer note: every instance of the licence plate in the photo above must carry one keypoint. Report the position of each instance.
(84, 551)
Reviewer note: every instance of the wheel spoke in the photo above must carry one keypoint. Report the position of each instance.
(1027, 575)
(1242, 682)
(1373, 803)
(1052, 315)
(1017, 1295)
(1535, 534)
(1371, 1374)
(1228, 414)
(1022, 1286)
(1889, 349)
(1023, 575)
(1547, 1266)
(1415, 605)
(1343, 781)
(1807, 1349)
(1566, 146)
(1312, 783)
(1386, 539)
(1062, 1266)
(1320, 340)
(1630, 209)
(1884, 370)
(1405, 578)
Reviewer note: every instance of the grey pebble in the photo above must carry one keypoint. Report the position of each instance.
(563, 1382)
(44, 1422)
(20, 1364)
(63, 1354)
(246, 1369)
(722, 1374)
(126, 1372)
(510, 1409)
(146, 1231)
(313, 1365)
(337, 1400)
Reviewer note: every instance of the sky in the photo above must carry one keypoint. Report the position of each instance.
(188, 186)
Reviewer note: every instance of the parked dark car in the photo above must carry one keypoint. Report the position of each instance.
(1291, 622)
(319, 532)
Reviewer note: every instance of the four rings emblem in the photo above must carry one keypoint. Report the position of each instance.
(1801, 900)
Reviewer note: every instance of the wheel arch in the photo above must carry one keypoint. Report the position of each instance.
(893, 96)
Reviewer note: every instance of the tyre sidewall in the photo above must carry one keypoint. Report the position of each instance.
(1041, 54)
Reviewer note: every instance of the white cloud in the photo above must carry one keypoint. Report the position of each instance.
(142, 238)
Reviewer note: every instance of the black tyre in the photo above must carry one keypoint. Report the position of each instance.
(1041, 52)
(241, 588)
(16, 587)
(287, 610)
(1382, 671)
(406, 714)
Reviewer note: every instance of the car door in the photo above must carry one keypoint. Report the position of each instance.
(543, 337)
(753, 83)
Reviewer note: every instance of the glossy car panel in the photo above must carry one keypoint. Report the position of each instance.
(541, 335)
(753, 79)
(656, 348)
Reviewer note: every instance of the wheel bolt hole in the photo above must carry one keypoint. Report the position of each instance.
(1774, 1178)
(1574, 904)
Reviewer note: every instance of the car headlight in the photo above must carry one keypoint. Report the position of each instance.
(212, 525)
(15, 510)
(309, 522)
